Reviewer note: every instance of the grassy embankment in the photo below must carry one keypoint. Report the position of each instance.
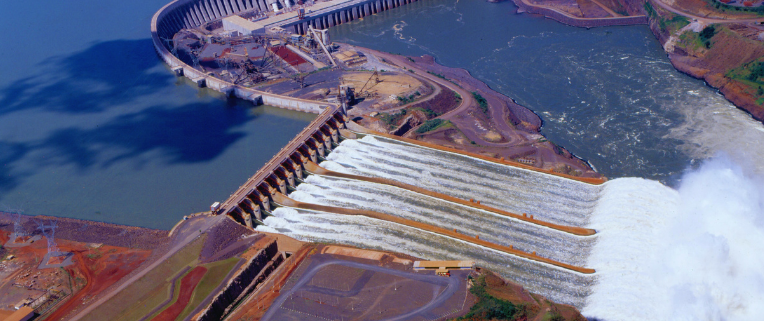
(715, 49)
(751, 75)
(498, 300)
(216, 272)
(145, 294)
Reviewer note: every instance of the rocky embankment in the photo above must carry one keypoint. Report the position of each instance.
(721, 54)
(89, 231)
(581, 21)
(725, 59)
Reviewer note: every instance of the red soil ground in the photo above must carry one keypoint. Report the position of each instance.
(187, 285)
(99, 270)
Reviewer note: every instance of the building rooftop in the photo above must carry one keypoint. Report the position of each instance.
(444, 264)
(244, 22)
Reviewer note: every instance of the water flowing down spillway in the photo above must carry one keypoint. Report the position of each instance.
(555, 283)
(660, 253)
(547, 197)
(559, 200)
(548, 243)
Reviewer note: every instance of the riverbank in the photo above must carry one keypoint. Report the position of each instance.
(725, 55)
(727, 58)
(469, 116)
(587, 13)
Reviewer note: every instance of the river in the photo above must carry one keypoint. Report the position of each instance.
(94, 126)
(609, 95)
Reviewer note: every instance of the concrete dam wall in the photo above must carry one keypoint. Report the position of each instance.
(181, 14)
(285, 168)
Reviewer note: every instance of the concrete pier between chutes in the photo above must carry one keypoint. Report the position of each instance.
(283, 200)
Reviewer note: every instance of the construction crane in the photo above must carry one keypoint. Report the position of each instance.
(376, 81)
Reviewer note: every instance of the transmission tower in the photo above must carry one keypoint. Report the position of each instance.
(18, 228)
(50, 232)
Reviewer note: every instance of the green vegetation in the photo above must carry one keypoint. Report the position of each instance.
(427, 111)
(393, 119)
(482, 103)
(405, 100)
(665, 24)
(756, 72)
(174, 295)
(752, 76)
(489, 307)
(437, 75)
(410, 59)
(145, 294)
(216, 272)
(650, 10)
(706, 34)
(433, 124)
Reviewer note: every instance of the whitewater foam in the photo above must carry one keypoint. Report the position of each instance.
(687, 254)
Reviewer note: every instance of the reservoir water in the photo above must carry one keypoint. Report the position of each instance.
(93, 125)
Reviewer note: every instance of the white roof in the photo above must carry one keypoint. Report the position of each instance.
(244, 23)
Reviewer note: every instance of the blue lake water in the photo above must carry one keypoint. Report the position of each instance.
(93, 125)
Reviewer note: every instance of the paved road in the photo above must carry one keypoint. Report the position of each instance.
(189, 231)
(498, 114)
(705, 20)
(452, 285)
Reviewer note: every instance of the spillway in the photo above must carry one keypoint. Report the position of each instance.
(548, 243)
(659, 253)
(554, 199)
(547, 197)
(556, 283)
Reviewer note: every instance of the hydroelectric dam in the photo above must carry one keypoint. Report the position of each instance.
(338, 182)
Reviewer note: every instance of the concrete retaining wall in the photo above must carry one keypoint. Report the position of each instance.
(256, 270)
(181, 14)
(580, 22)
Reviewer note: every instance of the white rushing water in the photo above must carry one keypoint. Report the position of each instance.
(547, 197)
(549, 243)
(690, 253)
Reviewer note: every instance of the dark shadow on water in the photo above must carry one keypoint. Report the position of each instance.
(105, 74)
(10, 153)
(191, 133)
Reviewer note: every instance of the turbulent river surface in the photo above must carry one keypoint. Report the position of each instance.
(609, 95)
